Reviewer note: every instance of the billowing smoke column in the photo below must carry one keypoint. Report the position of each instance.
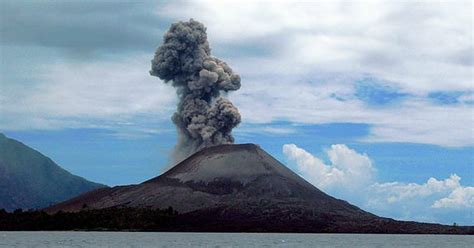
(203, 118)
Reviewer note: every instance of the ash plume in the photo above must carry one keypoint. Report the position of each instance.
(203, 118)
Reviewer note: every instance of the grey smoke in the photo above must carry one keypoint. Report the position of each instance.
(203, 118)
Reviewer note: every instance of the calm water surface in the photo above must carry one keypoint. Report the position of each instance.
(137, 239)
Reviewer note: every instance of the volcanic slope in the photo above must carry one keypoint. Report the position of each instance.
(242, 188)
(28, 179)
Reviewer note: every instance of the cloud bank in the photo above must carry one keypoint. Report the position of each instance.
(308, 69)
(351, 176)
(347, 169)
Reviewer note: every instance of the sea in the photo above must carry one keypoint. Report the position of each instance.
(214, 240)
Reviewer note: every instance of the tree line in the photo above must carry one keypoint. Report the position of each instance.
(142, 219)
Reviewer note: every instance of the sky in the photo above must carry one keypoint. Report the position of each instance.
(372, 102)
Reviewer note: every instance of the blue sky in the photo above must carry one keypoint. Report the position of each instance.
(336, 91)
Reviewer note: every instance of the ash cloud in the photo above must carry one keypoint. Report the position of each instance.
(203, 118)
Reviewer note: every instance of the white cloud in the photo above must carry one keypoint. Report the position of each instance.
(390, 40)
(415, 121)
(251, 130)
(415, 48)
(396, 192)
(348, 170)
(351, 176)
(334, 43)
(461, 197)
(100, 94)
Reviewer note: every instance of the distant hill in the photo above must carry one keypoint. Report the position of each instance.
(239, 188)
(28, 179)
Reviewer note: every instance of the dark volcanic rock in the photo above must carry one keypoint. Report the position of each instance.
(243, 188)
(28, 179)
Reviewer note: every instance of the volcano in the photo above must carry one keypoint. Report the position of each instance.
(242, 188)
